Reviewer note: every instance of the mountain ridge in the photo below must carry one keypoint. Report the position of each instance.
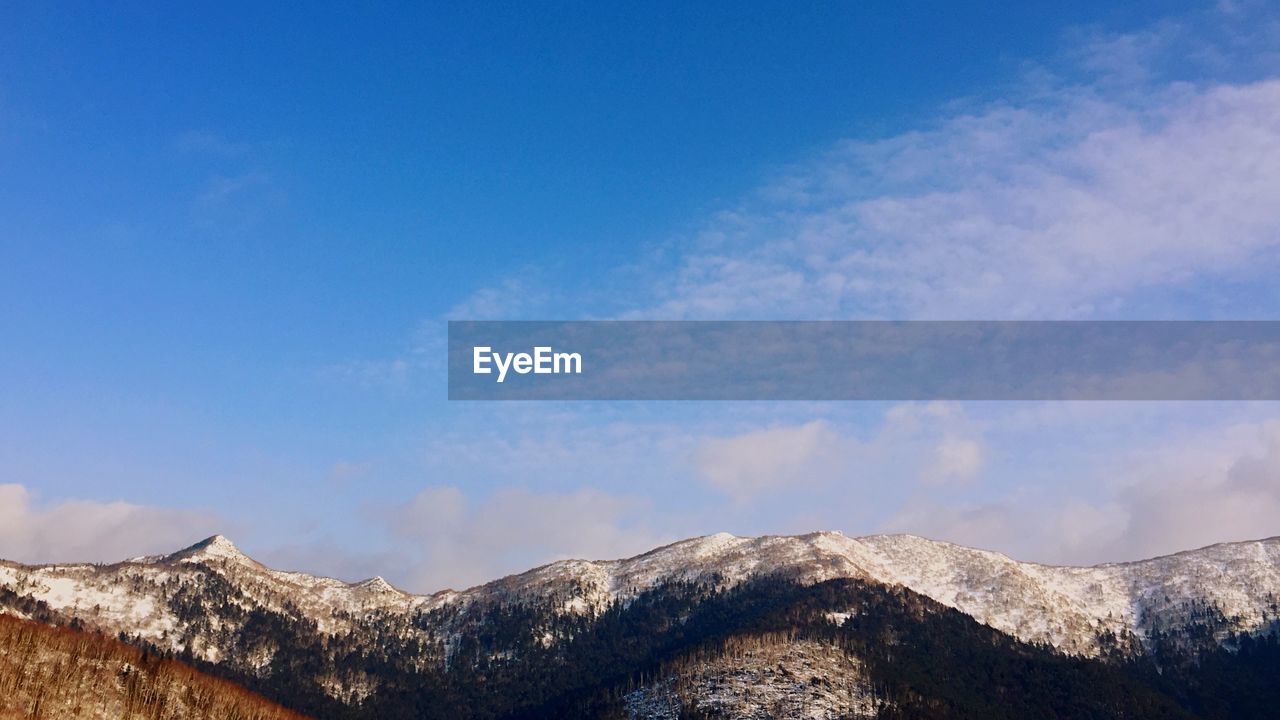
(1067, 607)
(225, 549)
(220, 539)
(315, 641)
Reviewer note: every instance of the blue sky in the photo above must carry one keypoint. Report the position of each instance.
(231, 237)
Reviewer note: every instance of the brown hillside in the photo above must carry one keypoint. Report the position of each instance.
(55, 673)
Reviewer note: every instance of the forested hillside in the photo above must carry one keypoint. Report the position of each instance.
(56, 673)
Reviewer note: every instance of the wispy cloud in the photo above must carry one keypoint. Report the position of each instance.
(1129, 164)
(511, 298)
(1134, 163)
(235, 188)
(236, 201)
(1060, 207)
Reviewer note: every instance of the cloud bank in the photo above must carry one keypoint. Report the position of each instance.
(90, 531)
(1192, 490)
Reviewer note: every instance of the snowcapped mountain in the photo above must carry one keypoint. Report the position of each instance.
(135, 596)
(308, 640)
(1065, 607)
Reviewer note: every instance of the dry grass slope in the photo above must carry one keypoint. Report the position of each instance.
(56, 673)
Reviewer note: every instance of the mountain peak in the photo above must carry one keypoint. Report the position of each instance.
(215, 547)
(378, 585)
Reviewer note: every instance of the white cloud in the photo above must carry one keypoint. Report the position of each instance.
(1185, 492)
(1223, 485)
(460, 543)
(747, 465)
(1058, 207)
(936, 442)
(89, 531)
(1140, 162)
(1129, 163)
(955, 460)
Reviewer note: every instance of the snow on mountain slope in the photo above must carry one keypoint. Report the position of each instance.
(1067, 607)
(135, 596)
(761, 679)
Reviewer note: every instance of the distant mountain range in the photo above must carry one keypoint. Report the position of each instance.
(813, 626)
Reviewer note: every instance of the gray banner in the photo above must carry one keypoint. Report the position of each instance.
(864, 360)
